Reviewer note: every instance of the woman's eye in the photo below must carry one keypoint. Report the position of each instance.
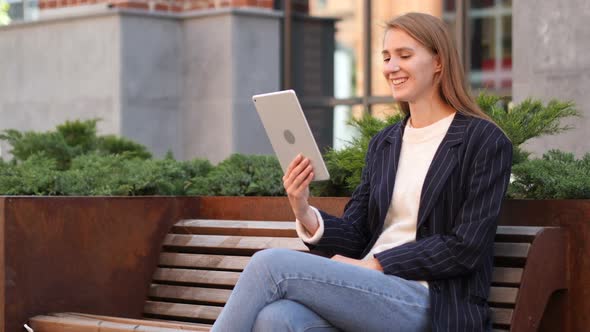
(405, 56)
(386, 60)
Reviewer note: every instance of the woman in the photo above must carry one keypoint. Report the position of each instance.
(413, 250)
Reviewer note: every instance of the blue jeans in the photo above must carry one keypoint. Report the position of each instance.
(284, 290)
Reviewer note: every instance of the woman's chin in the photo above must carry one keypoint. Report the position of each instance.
(398, 96)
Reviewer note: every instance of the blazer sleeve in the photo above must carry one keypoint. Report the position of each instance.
(349, 235)
(471, 240)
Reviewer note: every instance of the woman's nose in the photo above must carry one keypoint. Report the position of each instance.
(392, 67)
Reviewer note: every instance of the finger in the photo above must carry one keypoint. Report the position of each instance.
(294, 163)
(296, 171)
(309, 179)
(294, 166)
(304, 184)
(296, 184)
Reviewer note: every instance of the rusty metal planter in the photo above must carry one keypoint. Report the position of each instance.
(97, 254)
(87, 254)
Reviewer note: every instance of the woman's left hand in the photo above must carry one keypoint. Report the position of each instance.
(372, 263)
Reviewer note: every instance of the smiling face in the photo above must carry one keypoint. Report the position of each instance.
(408, 67)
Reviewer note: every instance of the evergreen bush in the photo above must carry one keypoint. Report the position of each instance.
(68, 141)
(523, 121)
(74, 160)
(558, 175)
(241, 175)
(34, 176)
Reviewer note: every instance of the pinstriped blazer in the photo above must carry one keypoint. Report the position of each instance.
(457, 218)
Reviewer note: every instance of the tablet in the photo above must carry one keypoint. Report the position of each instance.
(288, 131)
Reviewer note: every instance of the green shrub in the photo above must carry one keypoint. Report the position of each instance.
(558, 175)
(111, 144)
(241, 175)
(35, 176)
(95, 175)
(73, 160)
(166, 176)
(117, 175)
(523, 121)
(51, 145)
(527, 119)
(345, 165)
(68, 141)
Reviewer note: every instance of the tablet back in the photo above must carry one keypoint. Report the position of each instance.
(288, 131)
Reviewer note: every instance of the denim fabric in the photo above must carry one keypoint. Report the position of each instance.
(284, 290)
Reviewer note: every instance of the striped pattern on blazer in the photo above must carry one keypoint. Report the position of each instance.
(457, 218)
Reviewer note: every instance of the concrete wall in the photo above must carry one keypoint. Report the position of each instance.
(257, 43)
(151, 82)
(228, 59)
(171, 82)
(551, 53)
(60, 70)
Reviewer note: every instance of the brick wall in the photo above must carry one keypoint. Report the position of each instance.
(300, 6)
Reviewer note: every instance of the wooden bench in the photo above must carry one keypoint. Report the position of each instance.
(201, 261)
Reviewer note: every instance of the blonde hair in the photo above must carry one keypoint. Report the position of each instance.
(432, 33)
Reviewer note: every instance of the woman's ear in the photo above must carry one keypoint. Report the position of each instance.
(437, 64)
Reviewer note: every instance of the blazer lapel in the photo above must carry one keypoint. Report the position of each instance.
(443, 163)
(387, 168)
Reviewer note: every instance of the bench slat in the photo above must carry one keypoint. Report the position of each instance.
(503, 295)
(82, 324)
(216, 262)
(221, 242)
(501, 275)
(195, 294)
(182, 311)
(511, 250)
(517, 233)
(501, 316)
(202, 277)
(236, 227)
(519, 230)
(137, 324)
(506, 275)
(46, 323)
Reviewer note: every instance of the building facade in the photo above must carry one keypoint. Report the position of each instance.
(178, 74)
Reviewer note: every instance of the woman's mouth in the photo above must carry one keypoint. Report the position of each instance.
(399, 81)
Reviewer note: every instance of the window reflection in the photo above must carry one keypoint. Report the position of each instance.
(489, 31)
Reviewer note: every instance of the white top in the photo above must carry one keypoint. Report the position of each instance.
(418, 148)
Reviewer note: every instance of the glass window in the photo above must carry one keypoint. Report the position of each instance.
(489, 44)
(23, 10)
(348, 58)
(483, 36)
(476, 4)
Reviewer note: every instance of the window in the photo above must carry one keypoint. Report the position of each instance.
(23, 10)
(485, 27)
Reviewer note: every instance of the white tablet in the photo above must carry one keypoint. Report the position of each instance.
(288, 131)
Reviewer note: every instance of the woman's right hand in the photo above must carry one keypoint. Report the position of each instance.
(296, 182)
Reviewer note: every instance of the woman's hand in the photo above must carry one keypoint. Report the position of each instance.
(372, 263)
(296, 182)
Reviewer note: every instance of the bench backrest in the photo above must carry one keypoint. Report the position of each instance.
(201, 261)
